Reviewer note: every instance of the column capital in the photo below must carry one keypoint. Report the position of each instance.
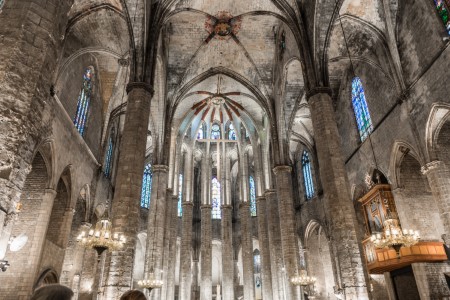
(260, 199)
(160, 168)
(270, 192)
(140, 85)
(244, 204)
(318, 90)
(227, 206)
(175, 197)
(280, 169)
(185, 203)
(205, 206)
(431, 166)
(51, 192)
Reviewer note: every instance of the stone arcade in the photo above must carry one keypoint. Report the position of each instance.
(234, 143)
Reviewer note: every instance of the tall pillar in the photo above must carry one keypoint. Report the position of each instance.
(337, 202)
(167, 238)
(289, 244)
(438, 178)
(206, 254)
(170, 282)
(185, 251)
(266, 273)
(155, 225)
(247, 251)
(125, 206)
(227, 253)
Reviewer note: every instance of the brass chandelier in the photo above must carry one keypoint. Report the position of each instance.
(302, 279)
(151, 282)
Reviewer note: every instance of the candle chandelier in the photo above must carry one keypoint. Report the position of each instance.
(151, 282)
(101, 238)
(395, 237)
(302, 279)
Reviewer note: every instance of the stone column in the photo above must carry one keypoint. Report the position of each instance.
(438, 178)
(266, 273)
(167, 238)
(155, 225)
(227, 253)
(125, 205)
(206, 268)
(289, 244)
(274, 241)
(337, 202)
(185, 251)
(247, 251)
(170, 283)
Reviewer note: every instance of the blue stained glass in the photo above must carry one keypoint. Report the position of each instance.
(83, 102)
(215, 132)
(360, 109)
(307, 176)
(108, 159)
(146, 191)
(442, 7)
(252, 197)
(215, 196)
(180, 195)
(257, 261)
(201, 132)
(231, 133)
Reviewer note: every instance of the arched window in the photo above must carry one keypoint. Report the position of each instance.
(307, 177)
(201, 134)
(83, 101)
(146, 191)
(180, 195)
(215, 132)
(360, 109)
(2, 2)
(257, 261)
(252, 196)
(231, 132)
(215, 198)
(109, 157)
(443, 7)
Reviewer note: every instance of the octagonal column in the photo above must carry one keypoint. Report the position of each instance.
(266, 273)
(247, 251)
(125, 205)
(206, 252)
(227, 253)
(170, 283)
(337, 202)
(185, 251)
(167, 238)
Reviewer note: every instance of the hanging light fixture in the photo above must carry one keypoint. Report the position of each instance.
(151, 282)
(302, 279)
(101, 238)
(395, 237)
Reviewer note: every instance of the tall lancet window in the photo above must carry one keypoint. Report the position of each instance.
(231, 132)
(307, 176)
(146, 191)
(180, 195)
(215, 198)
(84, 99)
(109, 157)
(257, 268)
(360, 109)
(215, 132)
(2, 2)
(201, 134)
(442, 7)
(252, 196)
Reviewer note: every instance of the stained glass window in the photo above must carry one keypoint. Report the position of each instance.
(257, 261)
(215, 196)
(307, 176)
(201, 132)
(83, 102)
(146, 191)
(442, 7)
(108, 158)
(252, 196)
(215, 132)
(180, 195)
(231, 133)
(360, 109)
(2, 2)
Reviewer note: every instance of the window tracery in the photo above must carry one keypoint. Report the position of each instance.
(146, 191)
(307, 176)
(215, 199)
(231, 132)
(108, 158)
(360, 109)
(83, 101)
(215, 132)
(180, 195)
(252, 197)
(201, 132)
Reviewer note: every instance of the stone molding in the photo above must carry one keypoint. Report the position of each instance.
(160, 168)
(227, 206)
(140, 85)
(280, 169)
(427, 168)
(123, 62)
(205, 206)
(260, 199)
(318, 90)
(175, 197)
(270, 192)
(243, 204)
(185, 203)
(51, 192)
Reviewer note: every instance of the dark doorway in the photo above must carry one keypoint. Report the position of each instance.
(405, 284)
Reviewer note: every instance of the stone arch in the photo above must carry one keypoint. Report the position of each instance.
(318, 259)
(438, 120)
(48, 276)
(399, 150)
